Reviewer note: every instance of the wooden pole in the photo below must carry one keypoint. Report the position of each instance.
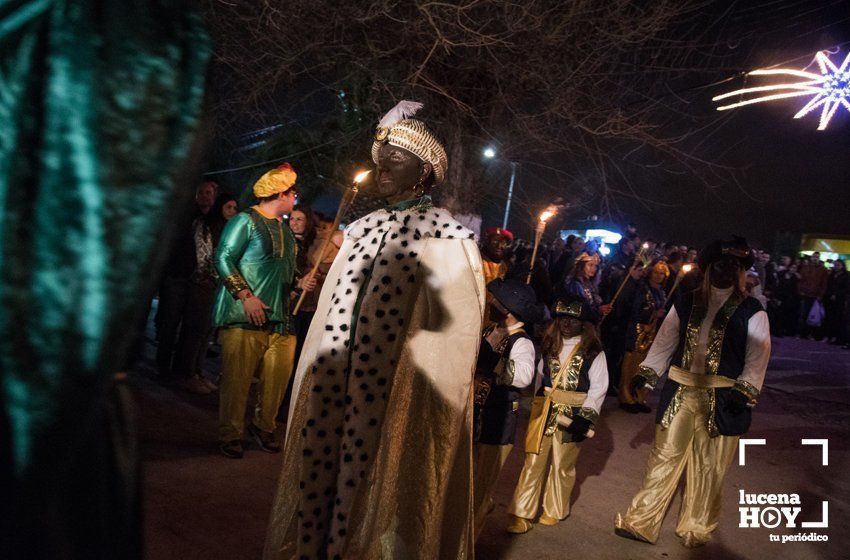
(347, 199)
(623, 283)
(538, 235)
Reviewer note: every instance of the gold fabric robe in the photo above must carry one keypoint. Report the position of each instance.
(416, 499)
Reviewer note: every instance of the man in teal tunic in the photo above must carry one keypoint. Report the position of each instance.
(256, 260)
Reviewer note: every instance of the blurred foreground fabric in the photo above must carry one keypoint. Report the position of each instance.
(99, 107)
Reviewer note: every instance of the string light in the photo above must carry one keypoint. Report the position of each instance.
(829, 90)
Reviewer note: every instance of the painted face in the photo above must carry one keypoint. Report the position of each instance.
(229, 209)
(498, 312)
(725, 273)
(298, 222)
(570, 326)
(396, 174)
(495, 246)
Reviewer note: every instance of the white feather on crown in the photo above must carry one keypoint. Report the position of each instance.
(399, 129)
(402, 110)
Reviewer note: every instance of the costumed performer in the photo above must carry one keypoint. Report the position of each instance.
(716, 344)
(377, 460)
(574, 364)
(645, 310)
(256, 262)
(505, 367)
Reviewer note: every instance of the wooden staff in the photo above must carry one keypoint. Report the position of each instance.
(638, 257)
(347, 200)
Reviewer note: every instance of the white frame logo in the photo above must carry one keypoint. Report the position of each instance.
(772, 511)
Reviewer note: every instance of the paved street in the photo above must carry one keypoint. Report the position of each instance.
(200, 505)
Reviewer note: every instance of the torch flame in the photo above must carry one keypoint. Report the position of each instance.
(645, 246)
(550, 211)
(360, 177)
(687, 268)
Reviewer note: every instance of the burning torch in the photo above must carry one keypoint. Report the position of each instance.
(345, 204)
(682, 272)
(538, 235)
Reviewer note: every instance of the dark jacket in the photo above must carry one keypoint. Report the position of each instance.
(495, 421)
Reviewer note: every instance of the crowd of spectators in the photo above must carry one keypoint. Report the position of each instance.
(804, 295)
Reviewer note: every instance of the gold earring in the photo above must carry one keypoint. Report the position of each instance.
(419, 188)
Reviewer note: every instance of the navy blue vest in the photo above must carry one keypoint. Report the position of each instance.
(733, 352)
(495, 422)
(583, 373)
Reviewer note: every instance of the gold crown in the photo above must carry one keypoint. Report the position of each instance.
(573, 309)
(415, 137)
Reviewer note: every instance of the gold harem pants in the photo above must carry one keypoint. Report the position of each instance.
(488, 461)
(243, 353)
(685, 445)
(556, 466)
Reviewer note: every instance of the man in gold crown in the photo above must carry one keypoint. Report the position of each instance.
(377, 461)
(256, 260)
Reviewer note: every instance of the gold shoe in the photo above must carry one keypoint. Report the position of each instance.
(519, 525)
(622, 529)
(546, 520)
(692, 540)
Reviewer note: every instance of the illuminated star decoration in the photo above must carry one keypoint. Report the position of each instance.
(829, 90)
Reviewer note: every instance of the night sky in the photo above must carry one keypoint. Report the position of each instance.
(792, 178)
(783, 174)
(788, 176)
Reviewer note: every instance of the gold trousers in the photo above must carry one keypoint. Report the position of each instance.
(685, 445)
(243, 353)
(631, 362)
(488, 461)
(556, 465)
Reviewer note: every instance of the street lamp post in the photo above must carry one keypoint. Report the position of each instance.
(490, 153)
(510, 195)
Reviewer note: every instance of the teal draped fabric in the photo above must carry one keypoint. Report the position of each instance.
(99, 104)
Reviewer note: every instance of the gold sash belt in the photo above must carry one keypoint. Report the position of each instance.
(569, 398)
(700, 380)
